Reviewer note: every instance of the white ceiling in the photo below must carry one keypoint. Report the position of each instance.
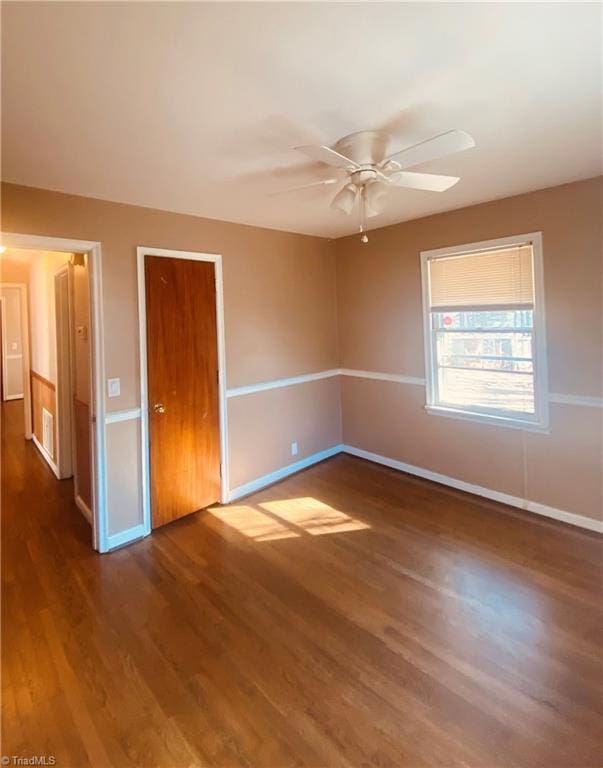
(196, 107)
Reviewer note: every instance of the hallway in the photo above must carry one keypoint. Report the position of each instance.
(45, 504)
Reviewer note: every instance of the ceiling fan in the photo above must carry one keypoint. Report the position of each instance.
(369, 171)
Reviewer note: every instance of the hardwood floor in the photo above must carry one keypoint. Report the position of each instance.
(348, 616)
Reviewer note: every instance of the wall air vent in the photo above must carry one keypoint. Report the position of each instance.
(47, 432)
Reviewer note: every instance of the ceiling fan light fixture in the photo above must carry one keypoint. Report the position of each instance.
(374, 195)
(345, 199)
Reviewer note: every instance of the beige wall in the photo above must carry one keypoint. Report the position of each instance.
(280, 321)
(263, 425)
(278, 287)
(42, 314)
(13, 270)
(380, 329)
(297, 304)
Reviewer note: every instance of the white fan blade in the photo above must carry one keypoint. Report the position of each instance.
(428, 181)
(323, 183)
(327, 155)
(431, 149)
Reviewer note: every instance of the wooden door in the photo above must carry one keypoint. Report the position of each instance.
(182, 360)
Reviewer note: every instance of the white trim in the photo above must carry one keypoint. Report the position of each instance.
(490, 419)
(46, 456)
(531, 506)
(583, 400)
(399, 378)
(83, 508)
(496, 244)
(279, 474)
(541, 368)
(98, 465)
(216, 259)
(129, 536)
(276, 383)
(536, 507)
(540, 420)
(129, 415)
(14, 397)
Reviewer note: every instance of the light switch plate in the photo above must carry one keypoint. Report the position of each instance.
(113, 387)
(294, 448)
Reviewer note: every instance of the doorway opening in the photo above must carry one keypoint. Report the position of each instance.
(183, 383)
(57, 339)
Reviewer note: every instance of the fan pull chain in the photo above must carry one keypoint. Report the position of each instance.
(363, 235)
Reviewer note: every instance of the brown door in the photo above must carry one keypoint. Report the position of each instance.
(182, 359)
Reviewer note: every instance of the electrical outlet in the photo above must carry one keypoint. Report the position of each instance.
(113, 387)
(294, 448)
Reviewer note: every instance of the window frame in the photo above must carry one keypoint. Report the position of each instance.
(537, 422)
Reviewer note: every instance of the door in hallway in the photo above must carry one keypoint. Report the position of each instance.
(183, 400)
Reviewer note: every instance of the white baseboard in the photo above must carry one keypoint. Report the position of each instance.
(514, 501)
(84, 508)
(279, 474)
(138, 531)
(531, 506)
(126, 537)
(46, 456)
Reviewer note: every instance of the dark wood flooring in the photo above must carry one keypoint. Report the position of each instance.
(348, 616)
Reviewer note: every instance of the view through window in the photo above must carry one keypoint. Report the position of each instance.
(481, 344)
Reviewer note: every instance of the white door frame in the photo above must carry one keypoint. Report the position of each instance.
(98, 464)
(24, 353)
(216, 259)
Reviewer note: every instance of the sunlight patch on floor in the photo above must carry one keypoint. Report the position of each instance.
(313, 516)
(286, 519)
(253, 523)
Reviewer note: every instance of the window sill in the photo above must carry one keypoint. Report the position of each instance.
(487, 418)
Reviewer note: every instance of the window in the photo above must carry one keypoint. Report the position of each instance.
(484, 332)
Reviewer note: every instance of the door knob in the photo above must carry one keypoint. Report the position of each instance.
(159, 408)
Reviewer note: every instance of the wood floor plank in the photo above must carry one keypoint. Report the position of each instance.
(347, 616)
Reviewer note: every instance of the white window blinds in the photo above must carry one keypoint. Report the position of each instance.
(490, 278)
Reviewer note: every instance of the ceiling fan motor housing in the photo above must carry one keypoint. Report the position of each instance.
(363, 177)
